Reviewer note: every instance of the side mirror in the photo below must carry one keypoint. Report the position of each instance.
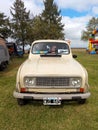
(74, 56)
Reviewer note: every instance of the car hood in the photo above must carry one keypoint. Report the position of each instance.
(51, 66)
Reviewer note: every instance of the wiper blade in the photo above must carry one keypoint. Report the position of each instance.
(50, 55)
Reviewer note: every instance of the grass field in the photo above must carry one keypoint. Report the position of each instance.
(35, 116)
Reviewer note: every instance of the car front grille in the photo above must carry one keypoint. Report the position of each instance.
(55, 82)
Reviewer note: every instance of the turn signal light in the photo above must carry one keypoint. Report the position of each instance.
(81, 90)
(23, 90)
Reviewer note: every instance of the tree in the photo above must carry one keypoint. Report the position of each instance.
(48, 24)
(19, 21)
(4, 25)
(38, 30)
(29, 30)
(92, 24)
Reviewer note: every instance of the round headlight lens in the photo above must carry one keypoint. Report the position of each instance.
(75, 82)
(29, 81)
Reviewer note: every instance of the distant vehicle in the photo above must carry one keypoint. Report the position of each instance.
(14, 50)
(4, 55)
(51, 74)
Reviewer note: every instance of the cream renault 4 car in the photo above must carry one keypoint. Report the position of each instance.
(51, 74)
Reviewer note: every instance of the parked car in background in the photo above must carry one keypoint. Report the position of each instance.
(4, 55)
(51, 74)
(14, 49)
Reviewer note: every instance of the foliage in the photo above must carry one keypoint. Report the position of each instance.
(48, 24)
(92, 24)
(38, 28)
(25, 29)
(30, 30)
(51, 17)
(4, 25)
(19, 22)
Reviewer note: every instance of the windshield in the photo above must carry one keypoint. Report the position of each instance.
(50, 48)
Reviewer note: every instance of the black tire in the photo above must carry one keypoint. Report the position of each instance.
(21, 102)
(3, 65)
(82, 101)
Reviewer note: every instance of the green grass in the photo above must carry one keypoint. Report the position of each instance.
(35, 116)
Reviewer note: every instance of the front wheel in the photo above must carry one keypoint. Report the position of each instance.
(21, 102)
(82, 101)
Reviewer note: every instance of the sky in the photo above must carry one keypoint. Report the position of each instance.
(75, 15)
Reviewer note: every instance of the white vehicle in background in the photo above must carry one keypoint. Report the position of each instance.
(51, 74)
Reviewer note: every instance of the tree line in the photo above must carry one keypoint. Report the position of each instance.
(24, 27)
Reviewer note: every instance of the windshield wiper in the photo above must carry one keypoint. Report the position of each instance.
(50, 55)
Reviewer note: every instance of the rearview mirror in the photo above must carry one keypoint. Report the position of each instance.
(74, 56)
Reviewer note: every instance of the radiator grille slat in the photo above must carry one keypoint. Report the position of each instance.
(52, 82)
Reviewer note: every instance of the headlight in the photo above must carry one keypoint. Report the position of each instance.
(29, 81)
(75, 82)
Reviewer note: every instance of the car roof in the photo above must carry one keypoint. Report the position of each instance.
(49, 40)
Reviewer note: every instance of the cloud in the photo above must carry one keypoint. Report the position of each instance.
(73, 29)
(35, 6)
(73, 26)
(95, 10)
(5, 7)
(78, 5)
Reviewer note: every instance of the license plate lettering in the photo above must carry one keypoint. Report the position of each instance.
(52, 101)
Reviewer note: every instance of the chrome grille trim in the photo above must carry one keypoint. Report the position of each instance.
(52, 82)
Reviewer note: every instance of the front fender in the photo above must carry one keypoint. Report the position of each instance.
(18, 78)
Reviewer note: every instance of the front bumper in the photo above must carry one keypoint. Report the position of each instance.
(42, 96)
